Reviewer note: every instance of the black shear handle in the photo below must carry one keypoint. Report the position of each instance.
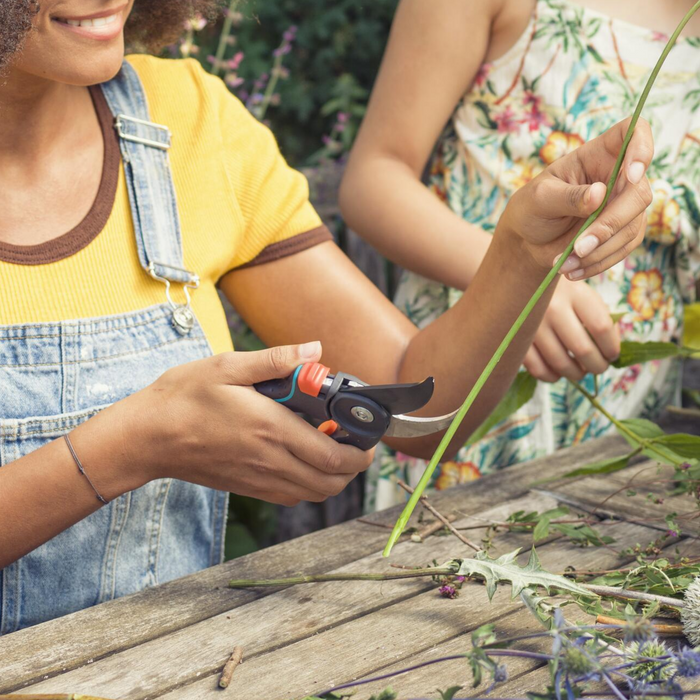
(349, 418)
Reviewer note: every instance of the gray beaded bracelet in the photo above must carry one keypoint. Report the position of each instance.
(82, 469)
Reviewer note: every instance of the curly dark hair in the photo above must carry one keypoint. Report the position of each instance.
(153, 23)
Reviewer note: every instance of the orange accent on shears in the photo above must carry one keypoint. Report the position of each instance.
(311, 378)
(329, 427)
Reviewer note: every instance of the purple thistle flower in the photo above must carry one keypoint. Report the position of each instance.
(687, 663)
(448, 591)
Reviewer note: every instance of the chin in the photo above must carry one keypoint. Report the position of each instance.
(81, 68)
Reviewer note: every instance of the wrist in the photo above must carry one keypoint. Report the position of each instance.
(103, 445)
(517, 251)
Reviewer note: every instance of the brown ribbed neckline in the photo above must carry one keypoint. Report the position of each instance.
(95, 220)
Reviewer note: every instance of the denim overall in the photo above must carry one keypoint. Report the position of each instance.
(54, 376)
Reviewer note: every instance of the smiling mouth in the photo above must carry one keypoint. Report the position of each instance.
(95, 23)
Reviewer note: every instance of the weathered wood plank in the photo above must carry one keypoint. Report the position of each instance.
(423, 682)
(260, 627)
(609, 494)
(72, 641)
(396, 632)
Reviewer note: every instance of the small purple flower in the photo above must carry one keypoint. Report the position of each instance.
(500, 674)
(685, 466)
(448, 591)
(671, 533)
(343, 117)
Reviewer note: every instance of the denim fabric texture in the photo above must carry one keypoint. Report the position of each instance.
(56, 375)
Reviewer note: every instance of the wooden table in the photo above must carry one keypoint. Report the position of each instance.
(172, 641)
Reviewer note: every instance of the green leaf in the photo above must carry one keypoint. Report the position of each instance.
(483, 635)
(650, 432)
(539, 606)
(616, 318)
(692, 326)
(637, 353)
(520, 392)
(681, 444)
(450, 692)
(542, 528)
(607, 466)
(642, 427)
(505, 568)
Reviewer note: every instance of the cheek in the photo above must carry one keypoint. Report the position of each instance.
(53, 53)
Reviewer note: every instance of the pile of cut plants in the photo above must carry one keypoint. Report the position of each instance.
(622, 650)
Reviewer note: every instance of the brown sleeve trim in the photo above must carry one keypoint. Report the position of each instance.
(291, 246)
(95, 220)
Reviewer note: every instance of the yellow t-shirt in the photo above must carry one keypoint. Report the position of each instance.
(239, 204)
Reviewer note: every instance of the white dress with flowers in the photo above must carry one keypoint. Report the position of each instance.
(573, 74)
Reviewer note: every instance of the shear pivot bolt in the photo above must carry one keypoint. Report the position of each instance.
(362, 414)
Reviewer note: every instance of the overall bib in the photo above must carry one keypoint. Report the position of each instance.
(53, 376)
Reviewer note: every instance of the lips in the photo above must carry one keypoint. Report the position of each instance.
(104, 25)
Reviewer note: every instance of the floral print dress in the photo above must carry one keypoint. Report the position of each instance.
(573, 74)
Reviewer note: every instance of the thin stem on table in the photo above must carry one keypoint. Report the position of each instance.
(481, 381)
(322, 578)
(428, 506)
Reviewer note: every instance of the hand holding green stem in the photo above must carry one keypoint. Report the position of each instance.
(478, 386)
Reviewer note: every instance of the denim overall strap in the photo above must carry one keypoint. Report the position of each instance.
(144, 146)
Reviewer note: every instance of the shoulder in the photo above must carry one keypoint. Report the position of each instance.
(182, 93)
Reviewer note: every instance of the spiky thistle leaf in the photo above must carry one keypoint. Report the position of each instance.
(505, 568)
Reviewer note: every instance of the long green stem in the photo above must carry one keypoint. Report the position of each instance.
(321, 578)
(476, 390)
(642, 442)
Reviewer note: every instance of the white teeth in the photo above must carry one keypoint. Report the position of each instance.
(88, 23)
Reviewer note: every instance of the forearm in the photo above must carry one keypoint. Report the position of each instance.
(43, 494)
(474, 328)
(383, 200)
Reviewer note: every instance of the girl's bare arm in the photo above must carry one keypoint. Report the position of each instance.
(434, 53)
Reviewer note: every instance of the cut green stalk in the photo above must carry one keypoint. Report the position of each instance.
(479, 385)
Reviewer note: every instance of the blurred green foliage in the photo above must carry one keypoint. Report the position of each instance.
(332, 66)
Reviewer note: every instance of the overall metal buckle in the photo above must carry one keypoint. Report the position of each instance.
(183, 317)
(121, 119)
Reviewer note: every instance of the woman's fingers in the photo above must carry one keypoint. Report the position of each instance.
(538, 368)
(579, 343)
(613, 224)
(556, 356)
(613, 251)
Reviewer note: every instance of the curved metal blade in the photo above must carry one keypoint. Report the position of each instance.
(399, 398)
(415, 426)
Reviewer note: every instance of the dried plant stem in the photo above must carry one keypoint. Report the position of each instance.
(371, 522)
(322, 578)
(481, 381)
(428, 506)
(230, 667)
(675, 629)
(431, 529)
(685, 412)
(612, 592)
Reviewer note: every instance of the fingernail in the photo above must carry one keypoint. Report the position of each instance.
(586, 246)
(310, 351)
(572, 263)
(636, 171)
(576, 275)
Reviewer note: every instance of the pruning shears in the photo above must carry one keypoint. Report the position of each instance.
(352, 412)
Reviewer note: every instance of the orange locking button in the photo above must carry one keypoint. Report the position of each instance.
(311, 378)
(329, 427)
